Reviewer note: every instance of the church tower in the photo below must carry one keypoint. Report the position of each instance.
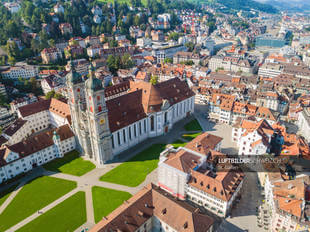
(97, 115)
(76, 100)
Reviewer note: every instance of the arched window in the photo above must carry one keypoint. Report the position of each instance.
(152, 123)
(99, 108)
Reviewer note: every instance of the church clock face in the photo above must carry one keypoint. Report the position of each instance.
(102, 121)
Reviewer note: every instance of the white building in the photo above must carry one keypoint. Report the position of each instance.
(16, 72)
(189, 173)
(35, 151)
(252, 137)
(303, 123)
(270, 70)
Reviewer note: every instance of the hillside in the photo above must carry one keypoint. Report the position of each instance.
(292, 5)
(247, 5)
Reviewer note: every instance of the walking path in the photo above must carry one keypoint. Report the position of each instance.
(90, 179)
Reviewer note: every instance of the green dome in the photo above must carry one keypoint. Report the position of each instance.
(94, 84)
(73, 76)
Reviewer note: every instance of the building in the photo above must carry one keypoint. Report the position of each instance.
(167, 52)
(6, 117)
(18, 102)
(73, 51)
(52, 82)
(303, 123)
(291, 208)
(45, 114)
(267, 40)
(15, 72)
(271, 70)
(81, 66)
(65, 28)
(23, 156)
(189, 173)
(105, 128)
(58, 9)
(232, 64)
(252, 137)
(51, 55)
(153, 209)
(92, 40)
(186, 56)
(13, 7)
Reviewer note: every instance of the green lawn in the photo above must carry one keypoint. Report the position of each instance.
(133, 172)
(193, 126)
(71, 164)
(106, 200)
(35, 195)
(190, 137)
(178, 143)
(6, 193)
(65, 217)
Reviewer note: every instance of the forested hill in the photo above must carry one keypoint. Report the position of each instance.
(246, 5)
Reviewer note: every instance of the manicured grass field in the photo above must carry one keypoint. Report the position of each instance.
(6, 193)
(34, 196)
(134, 171)
(178, 143)
(65, 217)
(106, 200)
(190, 137)
(193, 126)
(71, 164)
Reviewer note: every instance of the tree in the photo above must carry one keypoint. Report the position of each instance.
(168, 60)
(154, 80)
(11, 60)
(190, 46)
(174, 36)
(50, 94)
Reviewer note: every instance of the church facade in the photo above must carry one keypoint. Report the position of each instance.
(108, 121)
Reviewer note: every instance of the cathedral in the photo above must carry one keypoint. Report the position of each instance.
(108, 121)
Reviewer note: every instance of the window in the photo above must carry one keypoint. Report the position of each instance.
(152, 123)
(135, 130)
(124, 136)
(144, 125)
(112, 141)
(118, 139)
(129, 128)
(166, 117)
(140, 129)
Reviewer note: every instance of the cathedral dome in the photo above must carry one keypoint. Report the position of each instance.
(73, 76)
